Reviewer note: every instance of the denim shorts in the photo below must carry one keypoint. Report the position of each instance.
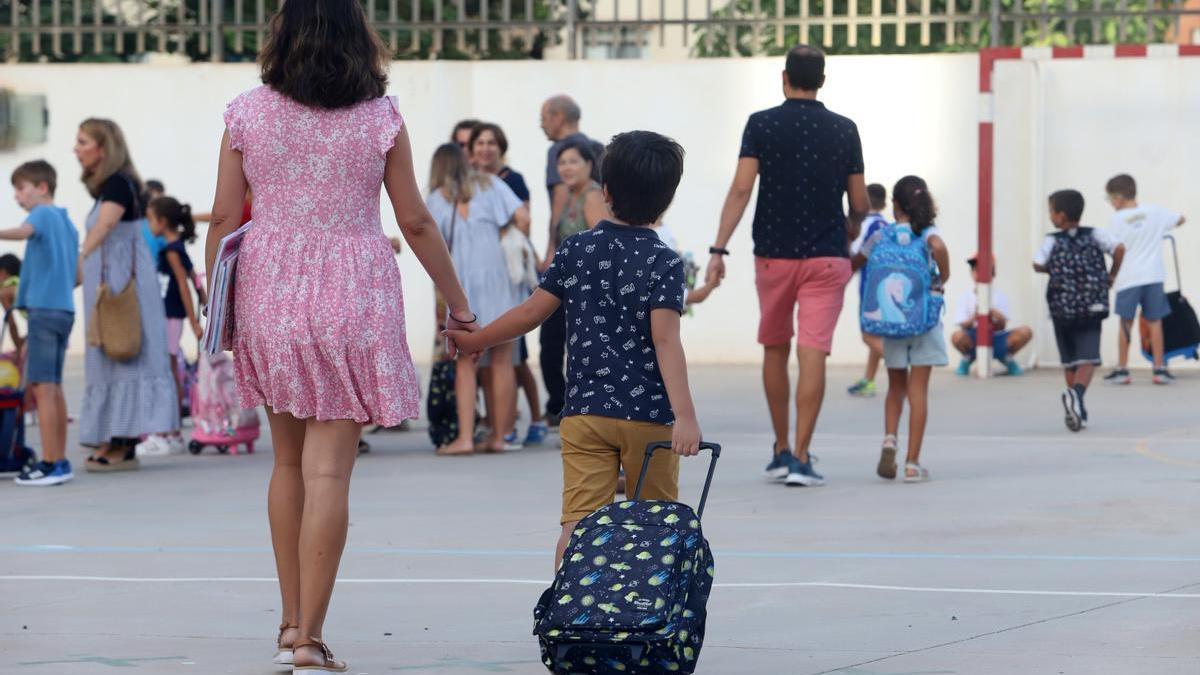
(1151, 298)
(923, 350)
(999, 343)
(46, 345)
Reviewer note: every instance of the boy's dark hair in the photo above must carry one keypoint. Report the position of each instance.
(1123, 186)
(322, 53)
(1068, 203)
(153, 185)
(806, 68)
(642, 170)
(912, 196)
(585, 150)
(178, 216)
(477, 131)
(10, 264)
(37, 171)
(878, 196)
(463, 124)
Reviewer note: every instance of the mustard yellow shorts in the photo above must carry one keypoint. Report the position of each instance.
(594, 448)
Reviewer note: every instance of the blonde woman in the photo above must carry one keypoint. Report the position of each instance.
(123, 400)
(470, 208)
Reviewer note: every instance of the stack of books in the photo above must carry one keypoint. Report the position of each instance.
(218, 333)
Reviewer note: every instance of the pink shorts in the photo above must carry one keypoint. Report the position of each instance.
(174, 335)
(813, 288)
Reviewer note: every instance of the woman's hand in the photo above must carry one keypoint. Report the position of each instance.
(455, 322)
(197, 329)
(466, 343)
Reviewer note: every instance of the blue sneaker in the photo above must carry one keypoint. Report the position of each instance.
(780, 466)
(801, 474)
(964, 368)
(1014, 368)
(537, 434)
(42, 474)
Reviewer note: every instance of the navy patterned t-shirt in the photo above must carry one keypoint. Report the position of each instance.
(805, 154)
(609, 280)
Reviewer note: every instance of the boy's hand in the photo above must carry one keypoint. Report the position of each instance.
(465, 343)
(685, 438)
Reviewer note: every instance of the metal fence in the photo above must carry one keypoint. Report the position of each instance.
(230, 30)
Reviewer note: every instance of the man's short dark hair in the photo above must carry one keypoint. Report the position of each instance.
(1123, 186)
(878, 196)
(10, 264)
(37, 171)
(1068, 203)
(156, 186)
(806, 68)
(641, 172)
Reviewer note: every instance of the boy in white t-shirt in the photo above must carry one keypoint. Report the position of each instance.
(1141, 229)
(1006, 341)
(875, 220)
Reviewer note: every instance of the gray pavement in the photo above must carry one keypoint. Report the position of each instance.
(1033, 550)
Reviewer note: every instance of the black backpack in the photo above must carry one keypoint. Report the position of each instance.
(1078, 287)
(441, 407)
(630, 596)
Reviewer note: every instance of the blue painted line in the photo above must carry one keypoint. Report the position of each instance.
(539, 553)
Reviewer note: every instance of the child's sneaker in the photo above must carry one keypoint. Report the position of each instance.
(537, 434)
(864, 388)
(915, 473)
(887, 458)
(1163, 376)
(1073, 418)
(1119, 376)
(154, 446)
(801, 474)
(964, 367)
(42, 474)
(1014, 368)
(779, 468)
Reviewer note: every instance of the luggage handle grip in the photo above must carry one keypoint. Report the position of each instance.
(1175, 256)
(666, 445)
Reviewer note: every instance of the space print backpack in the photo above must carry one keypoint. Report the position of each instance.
(630, 596)
(898, 301)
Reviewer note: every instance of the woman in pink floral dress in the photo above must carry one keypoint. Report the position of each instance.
(319, 337)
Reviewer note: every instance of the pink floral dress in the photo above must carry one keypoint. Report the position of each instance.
(320, 313)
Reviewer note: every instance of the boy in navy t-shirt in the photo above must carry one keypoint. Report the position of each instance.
(623, 290)
(47, 293)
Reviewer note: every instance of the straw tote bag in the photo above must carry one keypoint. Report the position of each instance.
(116, 326)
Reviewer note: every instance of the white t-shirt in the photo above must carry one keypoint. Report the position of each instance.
(870, 225)
(1142, 229)
(1107, 244)
(965, 310)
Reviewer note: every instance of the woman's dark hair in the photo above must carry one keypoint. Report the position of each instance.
(642, 170)
(912, 196)
(477, 131)
(11, 264)
(322, 53)
(584, 148)
(463, 124)
(178, 216)
(1069, 203)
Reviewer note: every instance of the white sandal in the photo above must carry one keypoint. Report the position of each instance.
(283, 655)
(887, 458)
(915, 473)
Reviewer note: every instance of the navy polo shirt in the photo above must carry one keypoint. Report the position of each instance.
(609, 280)
(805, 153)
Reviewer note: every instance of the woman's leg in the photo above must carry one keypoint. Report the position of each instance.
(326, 463)
(897, 392)
(175, 376)
(285, 506)
(464, 391)
(489, 398)
(918, 413)
(504, 395)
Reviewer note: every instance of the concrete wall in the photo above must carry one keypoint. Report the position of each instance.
(916, 114)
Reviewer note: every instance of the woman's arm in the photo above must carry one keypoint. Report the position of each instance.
(180, 274)
(664, 331)
(227, 203)
(107, 219)
(522, 220)
(419, 228)
(594, 209)
(513, 324)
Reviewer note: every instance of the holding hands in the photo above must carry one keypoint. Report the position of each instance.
(458, 331)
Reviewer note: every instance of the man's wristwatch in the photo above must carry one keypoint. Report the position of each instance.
(715, 250)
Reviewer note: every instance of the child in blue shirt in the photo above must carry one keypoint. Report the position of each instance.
(623, 292)
(47, 293)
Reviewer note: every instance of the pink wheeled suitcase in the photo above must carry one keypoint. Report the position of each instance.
(219, 420)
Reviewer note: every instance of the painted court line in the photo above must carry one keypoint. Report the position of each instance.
(542, 582)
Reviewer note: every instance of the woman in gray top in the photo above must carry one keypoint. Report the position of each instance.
(470, 209)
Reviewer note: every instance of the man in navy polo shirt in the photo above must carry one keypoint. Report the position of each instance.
(806, 158)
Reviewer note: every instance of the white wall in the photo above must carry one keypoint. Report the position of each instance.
(916, 114)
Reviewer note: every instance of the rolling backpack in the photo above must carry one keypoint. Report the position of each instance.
(897, 298)
(630, 596)
(1078, 287)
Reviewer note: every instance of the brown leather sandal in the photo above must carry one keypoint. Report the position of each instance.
(283, 653)
(330, 665)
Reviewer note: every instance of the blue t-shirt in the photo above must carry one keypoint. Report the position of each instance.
(155, 244)
(51, 258)
(609, 280)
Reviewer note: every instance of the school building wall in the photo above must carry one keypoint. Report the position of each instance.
(1058, 125)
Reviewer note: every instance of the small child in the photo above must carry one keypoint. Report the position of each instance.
(1077, 295)
(865, 387)
(627, 378)
(910, 361)
(1006, 341)
(693, 295)
(173, 222)
(47, 293)
(1141, 229)
(10, 281)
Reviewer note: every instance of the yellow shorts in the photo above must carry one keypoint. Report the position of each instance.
(594, 448)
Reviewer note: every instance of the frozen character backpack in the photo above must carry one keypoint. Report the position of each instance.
(898, 301)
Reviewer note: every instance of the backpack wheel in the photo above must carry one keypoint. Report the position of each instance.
(223, 449)
(195, 447)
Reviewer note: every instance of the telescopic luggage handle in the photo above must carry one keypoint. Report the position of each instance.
(1175, 256)
(663, 445)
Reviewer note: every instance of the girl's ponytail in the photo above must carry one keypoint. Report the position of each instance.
(912, 196)
(178, 216)
(187, 225)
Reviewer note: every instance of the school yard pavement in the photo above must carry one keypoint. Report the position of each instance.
(1033, 550)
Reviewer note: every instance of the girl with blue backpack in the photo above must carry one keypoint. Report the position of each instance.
(906, 269)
